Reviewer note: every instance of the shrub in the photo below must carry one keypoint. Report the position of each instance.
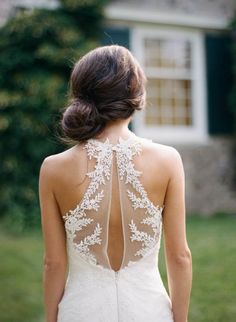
(37, 50)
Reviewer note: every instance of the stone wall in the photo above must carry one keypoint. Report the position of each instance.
(209, 172)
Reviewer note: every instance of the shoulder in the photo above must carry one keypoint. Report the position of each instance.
(164, 153)
(163, 159)
(52, 165)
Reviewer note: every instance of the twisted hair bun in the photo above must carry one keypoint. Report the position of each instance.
(106, 84)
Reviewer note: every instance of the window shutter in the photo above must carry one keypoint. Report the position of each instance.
(116, 36)
(219, 81)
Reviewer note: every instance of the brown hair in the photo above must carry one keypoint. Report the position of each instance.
(106, 84)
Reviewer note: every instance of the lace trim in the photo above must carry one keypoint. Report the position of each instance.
(76, 219)
(154, 218)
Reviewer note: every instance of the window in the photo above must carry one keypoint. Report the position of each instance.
(174, 65)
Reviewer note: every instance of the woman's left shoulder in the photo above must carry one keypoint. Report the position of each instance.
(54, 163)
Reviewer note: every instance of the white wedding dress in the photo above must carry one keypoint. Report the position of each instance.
(95, 292)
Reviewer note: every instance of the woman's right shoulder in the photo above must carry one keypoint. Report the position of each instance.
(165, 153)
(164, 158)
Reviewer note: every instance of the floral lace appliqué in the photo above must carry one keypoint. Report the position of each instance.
(76, 220)
(128, 173)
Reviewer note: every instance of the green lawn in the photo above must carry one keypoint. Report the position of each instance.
(213, 245)
(20, 277)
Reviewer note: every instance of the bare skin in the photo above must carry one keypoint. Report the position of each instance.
(163, 179)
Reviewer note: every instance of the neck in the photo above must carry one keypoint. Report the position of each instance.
(116, 129)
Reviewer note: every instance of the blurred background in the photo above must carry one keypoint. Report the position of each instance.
(188, 51)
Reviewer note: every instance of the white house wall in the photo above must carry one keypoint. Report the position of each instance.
(7, 7)
(211, 13)
(208, 8)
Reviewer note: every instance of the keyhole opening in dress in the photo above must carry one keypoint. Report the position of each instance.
(115, 249)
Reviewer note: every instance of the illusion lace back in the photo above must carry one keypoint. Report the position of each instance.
(102, 236)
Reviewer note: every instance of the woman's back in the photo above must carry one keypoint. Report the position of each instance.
(71, 182)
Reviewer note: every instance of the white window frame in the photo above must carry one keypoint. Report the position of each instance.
(197, 132)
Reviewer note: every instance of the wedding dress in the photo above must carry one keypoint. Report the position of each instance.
(94, 291)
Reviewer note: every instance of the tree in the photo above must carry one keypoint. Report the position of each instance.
(37, 51)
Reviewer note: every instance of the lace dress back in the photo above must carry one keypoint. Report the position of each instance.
(113, 239)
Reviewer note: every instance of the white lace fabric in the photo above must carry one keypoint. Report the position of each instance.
(85, 225)
(87, 228)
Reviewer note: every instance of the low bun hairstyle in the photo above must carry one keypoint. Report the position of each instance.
(106, 84)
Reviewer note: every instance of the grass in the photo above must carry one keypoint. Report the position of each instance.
(20, 277)
(213, 245)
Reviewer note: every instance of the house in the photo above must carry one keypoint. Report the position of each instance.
(184, 48)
